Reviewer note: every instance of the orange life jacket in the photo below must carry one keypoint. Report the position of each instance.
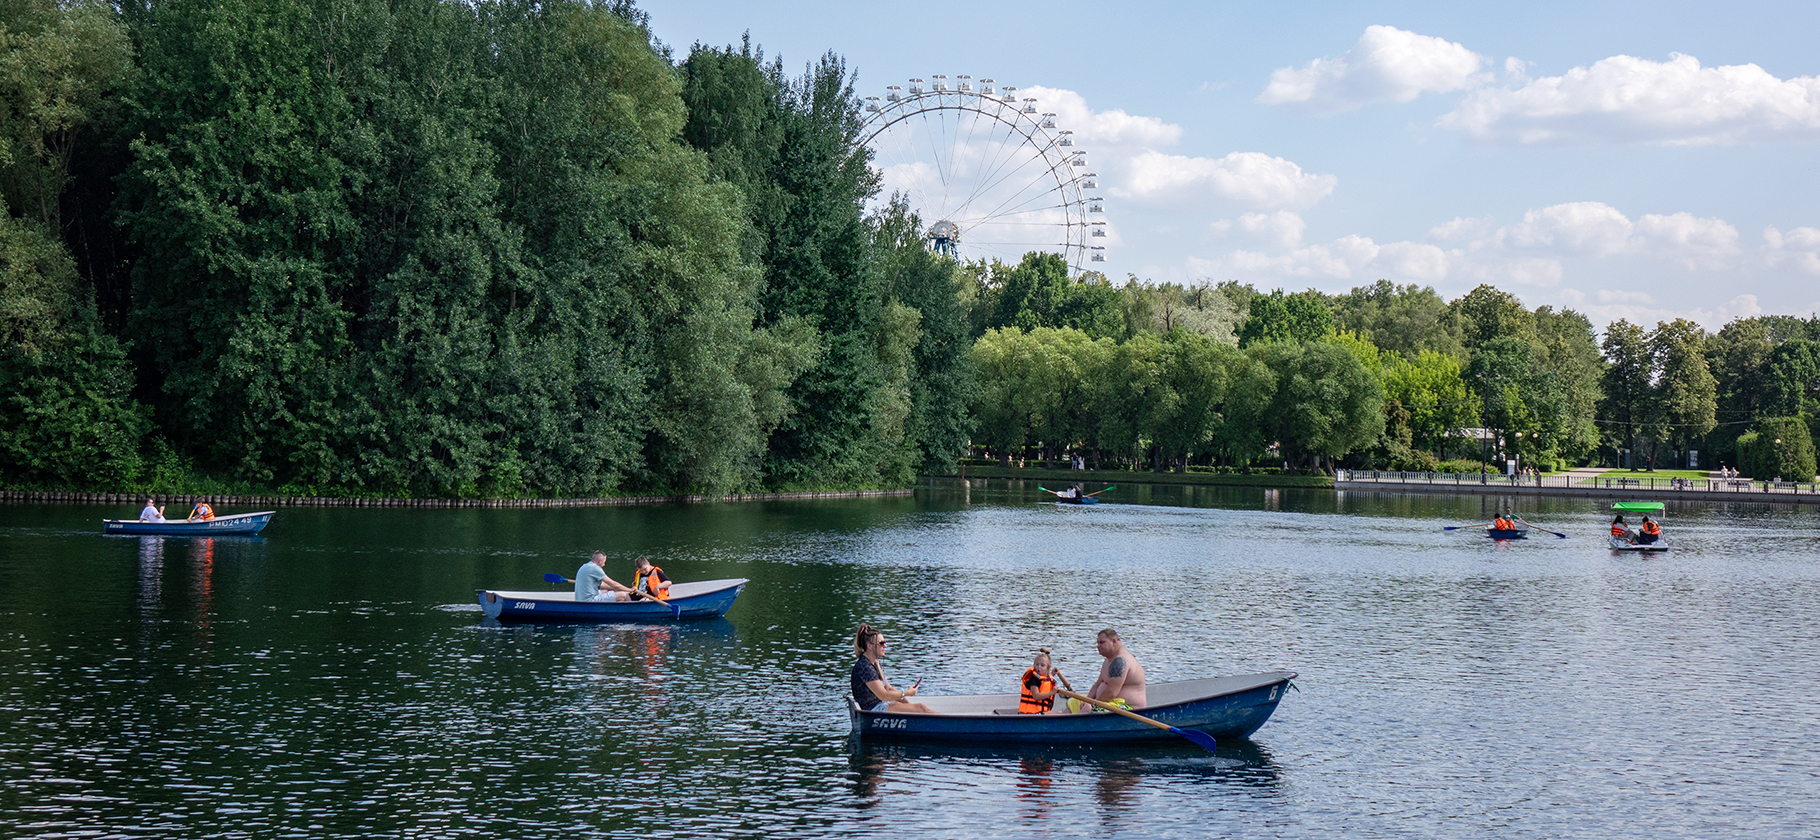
(1651, 528)
(653, 582)
(1503, 524)
(1618, 530)
(203, 511)
(1027, 704)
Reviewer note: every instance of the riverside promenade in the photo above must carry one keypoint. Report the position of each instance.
(1585, 482)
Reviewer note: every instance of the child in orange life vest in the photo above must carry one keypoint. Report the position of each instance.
(1038, 693)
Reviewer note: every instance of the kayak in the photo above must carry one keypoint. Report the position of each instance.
(699, 599)
(1224, 707)
(221, 526)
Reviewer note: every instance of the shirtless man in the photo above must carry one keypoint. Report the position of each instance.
(1121, 675)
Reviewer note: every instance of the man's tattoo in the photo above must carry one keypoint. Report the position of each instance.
(1117, 668)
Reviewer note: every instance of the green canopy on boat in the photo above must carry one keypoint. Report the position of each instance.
(1638, 507)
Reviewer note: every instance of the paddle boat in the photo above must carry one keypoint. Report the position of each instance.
(239, 524)
(1647, 508)
(1223, 707)
(700, 599)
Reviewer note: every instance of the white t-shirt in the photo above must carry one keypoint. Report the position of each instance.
(150, 514)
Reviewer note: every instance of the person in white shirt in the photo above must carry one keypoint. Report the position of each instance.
(151, 513)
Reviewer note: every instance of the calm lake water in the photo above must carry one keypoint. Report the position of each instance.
(335, 678)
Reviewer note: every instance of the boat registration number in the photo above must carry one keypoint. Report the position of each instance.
(524, 605)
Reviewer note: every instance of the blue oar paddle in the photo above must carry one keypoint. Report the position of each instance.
(1199, 739)
(1458, 527)
(552, 577)
(1540, 528)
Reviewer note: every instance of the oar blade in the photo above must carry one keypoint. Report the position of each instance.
(552, 577)
(1200, 739)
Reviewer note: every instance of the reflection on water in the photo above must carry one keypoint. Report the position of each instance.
(316, 683)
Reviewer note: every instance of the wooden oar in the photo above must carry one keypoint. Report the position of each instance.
(1200, 739)
(1103, 489)
(1540, 528)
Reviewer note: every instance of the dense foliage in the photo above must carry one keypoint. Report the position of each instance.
(511, 248)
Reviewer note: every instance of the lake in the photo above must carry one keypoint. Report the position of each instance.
(335, 677)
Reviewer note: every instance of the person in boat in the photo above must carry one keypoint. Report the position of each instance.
(1121, 675)
(1069, 492)
(1649, 531)
(1622, 531)
(1037, 695)
(202, 512)
(648, 581)
(151, 513)
(871, 691)
(592, 583)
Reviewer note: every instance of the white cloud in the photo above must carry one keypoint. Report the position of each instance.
(1694, 242)
(1461, 228)
(1414, 261)
(1581, 228)
(1099, 130)
(1621, 296)
(1624, 99)
(1282, 229)
(1642, 310)
(1799, 247)
(1251, 179)
(1387, 65)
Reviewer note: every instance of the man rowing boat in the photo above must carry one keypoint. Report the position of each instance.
(1121, 675)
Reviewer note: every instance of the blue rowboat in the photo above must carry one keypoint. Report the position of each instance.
(700, 599)
(1079, 500)
(1224, 707)
(241, 524)
(1507, 533)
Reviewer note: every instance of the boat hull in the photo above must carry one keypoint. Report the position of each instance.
(1084, 500)
(1224, 707)
(239, 524)
(1618, 544)
(696, 600)
(1507, 533)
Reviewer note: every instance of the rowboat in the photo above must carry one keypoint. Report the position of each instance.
(1507, 533)
(1618, 543)
(1224, 707)
(699, 599)
(1076, 500)
(242, 524)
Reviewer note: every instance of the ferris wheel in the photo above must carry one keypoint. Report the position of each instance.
(990, 173)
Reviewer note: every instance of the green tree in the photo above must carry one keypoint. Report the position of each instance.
(1406, 320)
(1488, 313)
(1185, 404)
(1627, 384)
(1326, 404)
(941, 383)
(1301, 317)
(1686, 392)
(1780, 448)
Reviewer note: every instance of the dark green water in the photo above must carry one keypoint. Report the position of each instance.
(334, 678)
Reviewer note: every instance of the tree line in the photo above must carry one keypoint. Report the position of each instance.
(520, 248)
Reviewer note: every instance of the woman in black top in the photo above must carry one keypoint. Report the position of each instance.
(870, 689)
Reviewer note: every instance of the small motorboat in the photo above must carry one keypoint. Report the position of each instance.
(699, 599)
(239, 524)
(1224, 707)
(1648, 508)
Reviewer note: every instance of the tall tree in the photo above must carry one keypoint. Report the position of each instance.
(1301, 317)
(1405, 320)
(1686, 392)
(1627, 384)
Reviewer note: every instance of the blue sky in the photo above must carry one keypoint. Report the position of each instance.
(1627, 160)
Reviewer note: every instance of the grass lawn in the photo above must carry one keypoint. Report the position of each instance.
(1660, 474)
